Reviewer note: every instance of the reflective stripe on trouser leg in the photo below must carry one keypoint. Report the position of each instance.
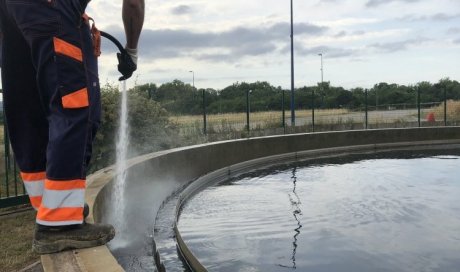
(34, 184)
(62, 203)
(24, 113)
(66, 75)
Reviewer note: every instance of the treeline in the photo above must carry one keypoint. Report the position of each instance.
(178, 97)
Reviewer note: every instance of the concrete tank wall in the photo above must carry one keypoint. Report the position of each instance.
(152, 178)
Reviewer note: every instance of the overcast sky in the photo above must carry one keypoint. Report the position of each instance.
(363, 41)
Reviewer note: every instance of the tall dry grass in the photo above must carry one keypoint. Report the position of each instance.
(453, 111)
(258, 117)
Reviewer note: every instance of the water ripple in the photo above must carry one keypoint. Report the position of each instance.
(383, 214)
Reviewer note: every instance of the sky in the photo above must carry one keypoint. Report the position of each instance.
(363, 42)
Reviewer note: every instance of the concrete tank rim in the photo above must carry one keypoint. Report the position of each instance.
(217, 176)
(85, 258)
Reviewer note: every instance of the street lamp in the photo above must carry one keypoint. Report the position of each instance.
(193, 78)
(204, 102)
(322, 80)
(321, 55)
(292, 68)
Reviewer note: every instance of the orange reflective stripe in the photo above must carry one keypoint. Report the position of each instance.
(75, 100)
(60, 214)
(33, 176)
(67, 49)
(65, 184)
(36, 201)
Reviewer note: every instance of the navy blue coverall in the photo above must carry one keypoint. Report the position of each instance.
(52, 102)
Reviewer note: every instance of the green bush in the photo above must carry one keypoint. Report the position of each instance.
(149, 127)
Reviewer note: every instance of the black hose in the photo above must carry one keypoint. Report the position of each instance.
(112, 39)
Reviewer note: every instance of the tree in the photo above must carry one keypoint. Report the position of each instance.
(150, 128)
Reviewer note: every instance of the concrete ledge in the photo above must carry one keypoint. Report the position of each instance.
(152, 178)
(90, 259)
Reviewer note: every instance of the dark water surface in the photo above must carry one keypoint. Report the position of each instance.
(385, 213)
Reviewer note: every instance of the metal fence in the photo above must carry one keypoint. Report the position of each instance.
(270, 119)
(12, 191)
(308, 118)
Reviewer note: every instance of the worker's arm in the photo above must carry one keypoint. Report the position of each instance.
(133, 19)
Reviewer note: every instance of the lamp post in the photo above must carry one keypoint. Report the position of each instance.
(322, 80)
(248, 109)
(321, 55)
(292, 68)
(204, 101)
(193, 78)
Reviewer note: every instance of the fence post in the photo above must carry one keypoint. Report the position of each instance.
(313, 109)
(6, 141)
(15, 177)
(445, 106)
(418, 106)
(247, 110)
(204, 113)
(366, 109)
(284, 113)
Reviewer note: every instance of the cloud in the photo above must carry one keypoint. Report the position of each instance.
(359, 32)
(445, 17)
(327, 51)
(344, 34)
(375, 3)
(392, 47)
(347, 22)
(341, 34)
(457, 41)
(181, 10)
(326, 2)
(453, 30)
(228, 45)
(438, 17)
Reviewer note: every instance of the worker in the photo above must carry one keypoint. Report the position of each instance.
(52, 106)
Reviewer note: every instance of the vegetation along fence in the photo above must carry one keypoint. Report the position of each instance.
(258, 109)
(12, 191)
(178, 114)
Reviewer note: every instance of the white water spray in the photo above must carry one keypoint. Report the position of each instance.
(119, 216)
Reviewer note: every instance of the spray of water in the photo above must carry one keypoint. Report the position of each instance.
(119, 188)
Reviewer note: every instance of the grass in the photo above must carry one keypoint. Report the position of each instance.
(453, 111)
(234, 125)
(15, 185)
(16, 231)
(256, 117)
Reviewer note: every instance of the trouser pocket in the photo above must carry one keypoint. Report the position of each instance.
(71, 76)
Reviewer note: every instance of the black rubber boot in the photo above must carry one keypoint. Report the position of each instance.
(49, 239)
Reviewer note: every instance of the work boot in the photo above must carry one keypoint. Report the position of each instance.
(50, 239)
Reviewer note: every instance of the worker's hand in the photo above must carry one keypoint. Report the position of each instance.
(127, 63)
